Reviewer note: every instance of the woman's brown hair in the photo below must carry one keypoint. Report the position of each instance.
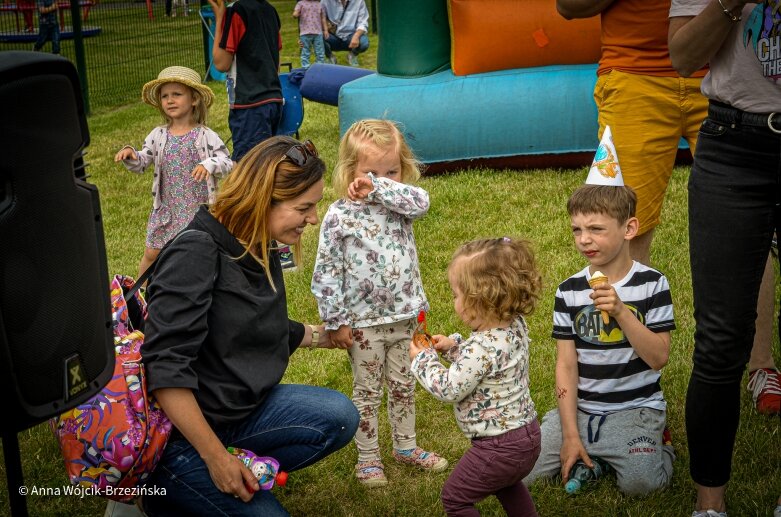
(264, 177)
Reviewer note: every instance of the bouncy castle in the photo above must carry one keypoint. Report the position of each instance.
(499, 83)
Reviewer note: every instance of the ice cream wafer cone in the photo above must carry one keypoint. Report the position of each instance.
(596, 279)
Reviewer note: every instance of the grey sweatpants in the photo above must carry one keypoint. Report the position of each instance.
(630, 441)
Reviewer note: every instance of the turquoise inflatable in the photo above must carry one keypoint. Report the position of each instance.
(546, 112)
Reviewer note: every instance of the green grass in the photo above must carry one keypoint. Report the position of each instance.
(465, 205)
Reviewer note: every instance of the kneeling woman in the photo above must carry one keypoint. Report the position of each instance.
(219, 340)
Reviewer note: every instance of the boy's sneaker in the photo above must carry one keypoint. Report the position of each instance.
(708, 513)
(765, 387)
(286, 258)
(420, 458)
(352, 59)
(777, 513)
(371, 474)
(331, 59)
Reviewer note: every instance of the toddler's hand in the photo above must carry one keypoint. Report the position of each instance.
(342, 338)
(200, 173)
(442, 343)
(124, 154)
(360, 188)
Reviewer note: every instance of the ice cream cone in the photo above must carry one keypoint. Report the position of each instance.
(596, 279)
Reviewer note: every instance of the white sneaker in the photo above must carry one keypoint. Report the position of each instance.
(777, 513)
(352, 59)
(708, 513)
(331, 59)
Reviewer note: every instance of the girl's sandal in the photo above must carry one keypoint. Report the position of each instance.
(371, 474)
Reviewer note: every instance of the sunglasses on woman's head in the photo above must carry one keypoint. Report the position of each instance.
(299, 153)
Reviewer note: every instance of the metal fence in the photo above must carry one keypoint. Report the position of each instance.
(125, 43)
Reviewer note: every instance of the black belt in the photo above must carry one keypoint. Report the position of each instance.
(725, 113)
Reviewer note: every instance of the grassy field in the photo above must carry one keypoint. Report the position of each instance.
(465, 205)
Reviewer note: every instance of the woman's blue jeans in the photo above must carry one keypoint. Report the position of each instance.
(298, 425)
(733, 213)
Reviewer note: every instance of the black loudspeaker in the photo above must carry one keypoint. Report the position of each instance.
(56, 345)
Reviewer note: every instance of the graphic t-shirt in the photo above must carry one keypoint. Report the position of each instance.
(746, 71)
(611, 376)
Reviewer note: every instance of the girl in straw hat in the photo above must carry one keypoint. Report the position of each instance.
(186, 154)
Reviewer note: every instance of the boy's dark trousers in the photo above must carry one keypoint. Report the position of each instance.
(48, 31)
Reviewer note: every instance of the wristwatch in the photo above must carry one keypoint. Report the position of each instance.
(315, 336)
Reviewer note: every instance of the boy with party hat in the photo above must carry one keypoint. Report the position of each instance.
(612, 323)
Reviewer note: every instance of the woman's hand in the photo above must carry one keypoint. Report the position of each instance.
(232, 477)
(124, 154)
(442, 343)
(360, 188)
(342, 338)
(200, 173)
(227, 472)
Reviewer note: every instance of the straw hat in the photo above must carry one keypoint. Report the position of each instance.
(176, 74)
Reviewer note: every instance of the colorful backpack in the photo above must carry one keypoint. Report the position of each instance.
(112, 442)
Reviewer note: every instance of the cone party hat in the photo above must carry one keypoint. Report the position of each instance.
(605, 169)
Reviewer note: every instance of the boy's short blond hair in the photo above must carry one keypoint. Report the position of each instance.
(379, 134)
(620, 203)
(499, 277)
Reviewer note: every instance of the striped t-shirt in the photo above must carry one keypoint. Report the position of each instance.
(611, 376)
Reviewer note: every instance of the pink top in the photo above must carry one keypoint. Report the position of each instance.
(310, 17)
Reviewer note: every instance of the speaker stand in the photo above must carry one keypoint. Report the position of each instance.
(14, 475)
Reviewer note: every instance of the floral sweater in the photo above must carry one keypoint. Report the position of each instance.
(488, 379)
(212, 153)
(366, 272)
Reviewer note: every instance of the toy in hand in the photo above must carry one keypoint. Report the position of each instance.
(264, 468)
(581, 474)
(421, 337)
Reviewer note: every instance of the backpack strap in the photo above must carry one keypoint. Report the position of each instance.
(148, 271)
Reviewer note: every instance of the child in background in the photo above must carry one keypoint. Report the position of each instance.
(368, 287)
(312, 28)
(610, 401)
(48, 26)
(495, 283)
(187, 155)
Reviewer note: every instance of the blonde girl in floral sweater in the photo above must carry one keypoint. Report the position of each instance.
(495, 283)
(368, 287)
